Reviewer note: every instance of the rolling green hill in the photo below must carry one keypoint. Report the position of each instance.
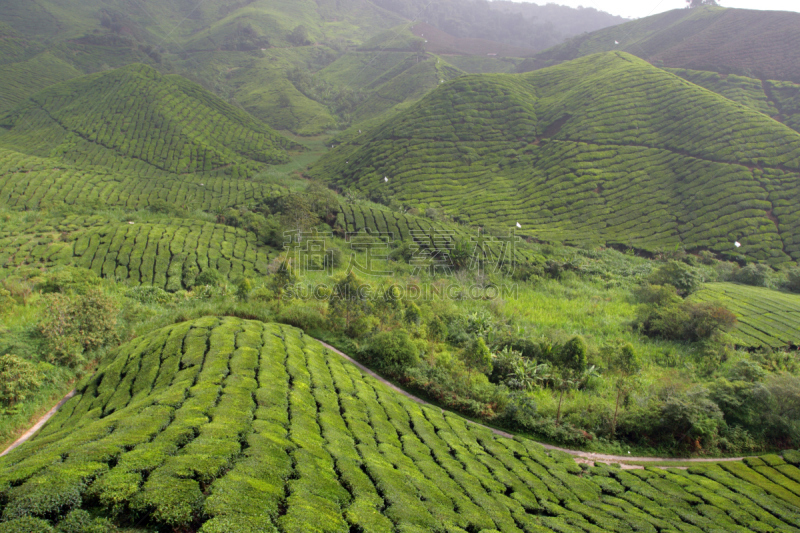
(605, 150)
(135, 118)
(223, 424)
(758, 44)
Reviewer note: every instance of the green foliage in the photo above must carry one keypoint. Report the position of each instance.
(685, 321)
(18, 378)
(793, 280)
(26, 525)
(210, 277)
(392, 350)
(80, 521)
(71, 325)
(572, 355)
(755, 274)
(478, 357)
(680, 275)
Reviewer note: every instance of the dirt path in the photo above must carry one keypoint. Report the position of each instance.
(581, 457)
(584, 457)
(36, 427)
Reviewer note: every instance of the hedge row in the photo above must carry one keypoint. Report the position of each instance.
(223, 424)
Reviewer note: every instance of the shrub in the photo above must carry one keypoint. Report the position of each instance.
(685, 321)
(80, 521)
(210, 277)
(17, 378)
(74, 324)
(657, 294)
(148, 294)
(392, 350)
(69, 280)
(755, 274)
(478, 357)
(680, 275)
(303, 315)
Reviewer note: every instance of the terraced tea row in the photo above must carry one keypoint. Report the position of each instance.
(234, 425)
(766, 317)
(168, 255)
(582, 153)
(136, 119)
(30, 182)
(777, 99)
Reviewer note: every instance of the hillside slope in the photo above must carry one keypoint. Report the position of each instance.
(759, 44)
(222, 424)
(137, 119)
(606, 150)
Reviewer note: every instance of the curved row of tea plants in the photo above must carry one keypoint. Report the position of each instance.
(134, 117)
(19, 80)
(766, 317)
(168, 255)
(606, 149)
(233, 425)
(30, 182)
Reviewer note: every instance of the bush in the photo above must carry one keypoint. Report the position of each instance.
(685, 321)
(69, 280)
(392, 350)
(17, 378)
(680, 275)
(74, 324)
(148, 294)
(210, 277)
(755, 274)
(657, 295)
(303, 315)
(80, 521)
(26, 525)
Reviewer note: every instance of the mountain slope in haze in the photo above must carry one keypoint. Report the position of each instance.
(135, 118)
(606, 150)
(228, 425)
(758, 44)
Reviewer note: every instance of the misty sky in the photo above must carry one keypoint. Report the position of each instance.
(643, 8)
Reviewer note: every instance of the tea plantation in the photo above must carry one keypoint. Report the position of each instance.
(30, 182)
(604, 150)
(766, 317)
(138, 120)
(223, 424)
(167, 255)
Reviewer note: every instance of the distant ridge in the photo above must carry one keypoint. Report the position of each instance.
(758, 44)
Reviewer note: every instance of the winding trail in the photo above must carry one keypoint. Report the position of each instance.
(580, 456)
(38, 425)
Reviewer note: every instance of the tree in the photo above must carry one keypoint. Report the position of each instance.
(478, 357)
(680, 275)
(392, 350)
(348, 302)
(299, 36)
(572, 369)
(17, 379)
(626, 365)
(698, 3)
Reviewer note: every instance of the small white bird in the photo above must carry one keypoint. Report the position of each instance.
(202, 184)
(131, 222)
(738, 244)
(386, 179)
(616, 42)
(359, 131)
(519, 225)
